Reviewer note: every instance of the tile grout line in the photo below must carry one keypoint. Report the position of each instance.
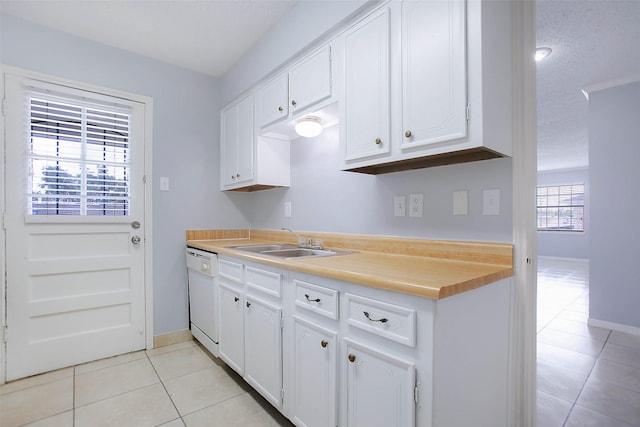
(165, 388)
(573, 405)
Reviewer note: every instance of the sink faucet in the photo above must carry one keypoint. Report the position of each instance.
(304, 242)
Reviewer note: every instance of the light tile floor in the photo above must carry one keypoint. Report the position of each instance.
(587, 376)
(174, 386)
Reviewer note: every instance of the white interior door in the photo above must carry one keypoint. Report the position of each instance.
(74, 226)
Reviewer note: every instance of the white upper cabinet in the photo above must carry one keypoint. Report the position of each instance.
(305, 85)
(365, 103)
(250, 162)
(450, 86)
(434, 80)
(310, 80)
(273, 101)
(237, 142)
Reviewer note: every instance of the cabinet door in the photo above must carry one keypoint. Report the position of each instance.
(314, 375)
(367, 114)
(273, 101)
(246, 143)
(263, 349)
(434, 89)
(380, 388)
(228, 146)
(310, 81)
(231, 328)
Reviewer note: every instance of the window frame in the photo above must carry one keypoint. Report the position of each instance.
(559, 205)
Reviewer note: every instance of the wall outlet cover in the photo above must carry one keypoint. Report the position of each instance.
(164, 183)
(491, 202)
(287, 209)
(416, 205)
(461, 202)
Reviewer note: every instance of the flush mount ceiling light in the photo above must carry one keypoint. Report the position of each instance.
(309, 126)
(542, 52)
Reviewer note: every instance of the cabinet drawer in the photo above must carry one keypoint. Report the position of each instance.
(318, 299)
(264, 281)
(390, 321)
(230, 272)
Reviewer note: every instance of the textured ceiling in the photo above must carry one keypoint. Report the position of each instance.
(207, 36)
(592, 42)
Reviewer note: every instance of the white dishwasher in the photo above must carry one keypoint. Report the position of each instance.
(202, 268)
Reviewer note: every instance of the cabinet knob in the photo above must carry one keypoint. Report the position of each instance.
(233, 177)
(352, 358)
(248, 304)
(378, 141)
(293, 102)
(280, 109)
(324, 343)
(408, 134)
(237, 175)
(236, 299)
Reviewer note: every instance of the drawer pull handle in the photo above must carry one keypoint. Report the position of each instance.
(248, 304)
(236, 299)
(352, 358)
(311, 300)
(324, 343)
(381, 320)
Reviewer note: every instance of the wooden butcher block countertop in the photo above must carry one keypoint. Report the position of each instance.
(428, 268)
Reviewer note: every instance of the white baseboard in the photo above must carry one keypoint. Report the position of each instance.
(557, 258)
(614, 326)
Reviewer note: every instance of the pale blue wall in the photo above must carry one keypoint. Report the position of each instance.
(185, 143)
(326, 199)
(614, 153)
(566, 244)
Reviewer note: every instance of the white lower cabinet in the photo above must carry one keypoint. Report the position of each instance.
(314, 392)
(263, 348)
(329, 353)
(380, 388)
(231, 328)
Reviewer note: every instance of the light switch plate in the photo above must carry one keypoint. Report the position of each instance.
(461, 202)
(287, 209)
(164, 183)
(399, 206)
(491, 202)
(416, 205)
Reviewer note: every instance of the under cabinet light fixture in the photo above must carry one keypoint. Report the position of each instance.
(541, 53)
(309, 126)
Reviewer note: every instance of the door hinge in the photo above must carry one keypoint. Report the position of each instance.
(5, 331)
(281, 395)
(415, 394)
(468, 112)
(282, 323)
(144, 179)
(4, 221)
(4, 106)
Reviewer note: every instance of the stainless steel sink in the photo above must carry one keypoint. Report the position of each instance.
(286, 250)
(263, 248)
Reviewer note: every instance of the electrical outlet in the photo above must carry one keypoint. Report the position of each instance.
(287, 209)
(399, 206)
(416, 205)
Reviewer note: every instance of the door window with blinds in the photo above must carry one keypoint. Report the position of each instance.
(79, 157)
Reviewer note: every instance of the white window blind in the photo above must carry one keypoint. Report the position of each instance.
(79, 157)
(561, 208)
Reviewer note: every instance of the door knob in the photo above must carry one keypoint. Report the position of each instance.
(136, 240)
